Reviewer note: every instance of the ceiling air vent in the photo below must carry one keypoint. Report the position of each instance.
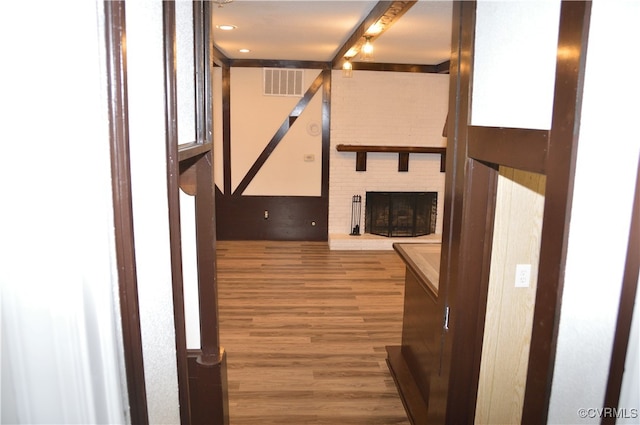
(283, 82)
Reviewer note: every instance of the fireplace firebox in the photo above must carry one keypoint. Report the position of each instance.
(403, 214)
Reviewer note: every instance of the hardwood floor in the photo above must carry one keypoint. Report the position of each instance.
(305, 330)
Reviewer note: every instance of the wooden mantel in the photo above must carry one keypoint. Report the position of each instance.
(402, 151)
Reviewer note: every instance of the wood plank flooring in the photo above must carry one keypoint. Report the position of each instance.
(305, 330)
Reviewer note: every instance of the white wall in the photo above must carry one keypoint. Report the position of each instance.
(390, 109)
(607, 158)
(61, 348)
(515, 63)
(150, 207)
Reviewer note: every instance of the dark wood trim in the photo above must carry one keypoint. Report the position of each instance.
(514, 147)
(205, 203)
(463, 25)
(226, 129)
(326, 137)
(206, 255)
(391, 149)
(361, 161)
(403, 161)
(218, 58)
(396, 67)
(467, 240)
(173, 196)
(560, 169)
(188, 151)
(625, 311)
(402, 151)
(271, 63)
(115, 34)
(280, 133)
(442, 68)
(468, 302)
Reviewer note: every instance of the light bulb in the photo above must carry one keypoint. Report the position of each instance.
(367, 50)
(347, 69)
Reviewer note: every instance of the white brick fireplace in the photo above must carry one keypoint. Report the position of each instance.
(384, 109)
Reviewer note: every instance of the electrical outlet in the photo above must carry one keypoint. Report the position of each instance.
(309, 157)
(523, 275)
(266, 214)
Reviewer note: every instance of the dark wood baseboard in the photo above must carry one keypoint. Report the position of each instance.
(290, 218)
(414, 404)
(208, 395)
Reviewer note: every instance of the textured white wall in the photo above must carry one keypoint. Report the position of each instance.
(514, 63)
(391, 109)
(150, 207)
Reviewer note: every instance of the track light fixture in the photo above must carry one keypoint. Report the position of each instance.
(347, 68)
(367, 50)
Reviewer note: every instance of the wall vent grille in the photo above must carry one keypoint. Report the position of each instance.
(283, 82)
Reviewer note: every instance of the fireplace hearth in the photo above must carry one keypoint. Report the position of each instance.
(401, 214)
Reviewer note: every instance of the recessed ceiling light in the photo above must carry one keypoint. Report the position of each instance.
(226, 27)
(244, 50)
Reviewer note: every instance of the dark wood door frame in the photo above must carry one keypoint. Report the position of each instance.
(115, 35)
(560, 170)
(473, 158)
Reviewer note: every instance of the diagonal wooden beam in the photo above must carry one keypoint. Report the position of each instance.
(383, 15)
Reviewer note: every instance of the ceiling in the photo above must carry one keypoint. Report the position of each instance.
(315, 30)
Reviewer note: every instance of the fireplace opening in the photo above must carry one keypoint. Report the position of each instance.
(401, 214)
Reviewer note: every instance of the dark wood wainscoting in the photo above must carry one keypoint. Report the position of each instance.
(290, 218)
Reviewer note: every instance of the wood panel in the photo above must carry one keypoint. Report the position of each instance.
(509, 313)
(290, 218)
(305, 330)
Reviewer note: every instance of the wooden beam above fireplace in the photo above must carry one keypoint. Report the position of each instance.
(402, 151)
